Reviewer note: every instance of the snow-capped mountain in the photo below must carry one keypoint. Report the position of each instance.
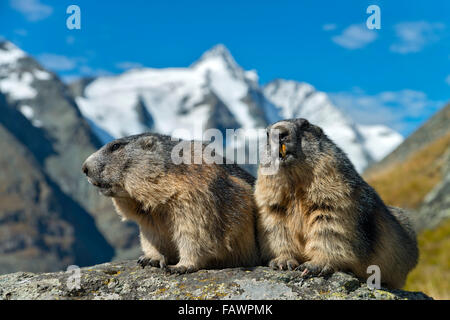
(215, 92)
(379, 140)
(17, 74)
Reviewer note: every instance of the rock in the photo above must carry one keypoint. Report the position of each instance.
(127, 280)
(436, 205)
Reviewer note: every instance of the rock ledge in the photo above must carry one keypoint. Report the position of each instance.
(126, 280)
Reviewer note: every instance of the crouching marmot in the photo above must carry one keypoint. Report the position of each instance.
(318, 215)
(191, 216)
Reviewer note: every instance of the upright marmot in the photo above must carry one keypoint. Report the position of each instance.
(317, 213)
(191, 216)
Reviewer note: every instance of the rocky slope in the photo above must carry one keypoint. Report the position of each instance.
(416, 174)
(49, 125)
(41, 228)
(434, 128)
(435, 207)
(126, 280)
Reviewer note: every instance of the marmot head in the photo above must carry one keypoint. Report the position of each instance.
(298, 141)
(124, 162)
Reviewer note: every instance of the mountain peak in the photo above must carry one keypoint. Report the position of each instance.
(5, 44)
(219, 50)
(9, 52)
(217, 53)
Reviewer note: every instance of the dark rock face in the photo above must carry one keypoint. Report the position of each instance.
(436, 205)
(255, 99)
(126, 280)
(73, 142)
(59, 139)
(144, 116)
(41, 228)
(220, 116)
(77, 87)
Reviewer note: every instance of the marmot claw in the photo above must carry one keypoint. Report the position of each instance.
(144, 261)
(283, 264)
(311, 269)
(180, 269)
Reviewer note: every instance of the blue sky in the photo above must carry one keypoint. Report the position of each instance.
(398, 75)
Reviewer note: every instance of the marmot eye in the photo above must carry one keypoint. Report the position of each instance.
(284, 135)
(115, 146)
(305, 124)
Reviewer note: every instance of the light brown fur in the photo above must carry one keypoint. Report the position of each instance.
(179, 223)
(320, 216)
(190, 216)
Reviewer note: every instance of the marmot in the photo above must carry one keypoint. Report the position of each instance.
(318, 215)
(191, 216)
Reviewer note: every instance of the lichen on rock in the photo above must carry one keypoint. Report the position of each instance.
(127, 280)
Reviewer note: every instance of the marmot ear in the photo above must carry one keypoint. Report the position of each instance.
(317, 130)
(147, 142)
(303, 123)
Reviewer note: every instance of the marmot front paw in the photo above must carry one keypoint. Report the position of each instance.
(311, 269)
(283, 264)
(144, 261)
(180, 269)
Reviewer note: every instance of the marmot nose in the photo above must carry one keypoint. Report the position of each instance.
(85, 169)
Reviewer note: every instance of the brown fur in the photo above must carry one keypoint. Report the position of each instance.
(190, 216)
(318, 213)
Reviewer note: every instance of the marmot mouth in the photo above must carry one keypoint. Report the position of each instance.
(283, 153)
(99, 184)
(108, 192)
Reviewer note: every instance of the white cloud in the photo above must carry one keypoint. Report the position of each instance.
(125, 65)
(414, 36)
(21, 32)
(33, 10)
(69, 78)
(329, 27)
(57, 62)
(70, 68)
(85, 71)
(355, 36)
(401, 110)
(90, 72)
